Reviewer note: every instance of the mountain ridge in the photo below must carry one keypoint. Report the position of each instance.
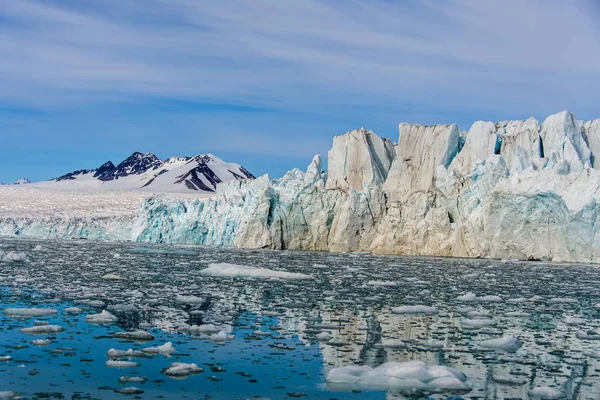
(200, 173)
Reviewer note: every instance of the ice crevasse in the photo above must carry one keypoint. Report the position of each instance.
(512, 189)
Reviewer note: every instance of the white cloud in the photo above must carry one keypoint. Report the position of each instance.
(302, 55)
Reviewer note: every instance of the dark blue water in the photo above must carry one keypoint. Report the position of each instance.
(552, 310)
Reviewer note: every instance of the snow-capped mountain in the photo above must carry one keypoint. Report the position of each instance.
(200, 173)
(22, 181)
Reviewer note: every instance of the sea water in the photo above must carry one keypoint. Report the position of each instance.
(279, 324)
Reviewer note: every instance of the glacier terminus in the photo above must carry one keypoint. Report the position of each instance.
(512, 190)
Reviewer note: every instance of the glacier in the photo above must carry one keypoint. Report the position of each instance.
(512, 189)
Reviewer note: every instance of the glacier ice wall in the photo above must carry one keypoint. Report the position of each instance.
(513, 189)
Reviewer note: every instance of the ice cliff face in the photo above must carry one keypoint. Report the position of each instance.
(513, 189)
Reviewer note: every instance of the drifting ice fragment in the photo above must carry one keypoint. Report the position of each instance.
(242, 271)
(412, 375)
(507, 343)
(43, 329)
(102, 318)
(418, 309)
(29, 312)
(166, 348)
(121, 364)
(182, 369)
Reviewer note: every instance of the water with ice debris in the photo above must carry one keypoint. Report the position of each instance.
(83, 319)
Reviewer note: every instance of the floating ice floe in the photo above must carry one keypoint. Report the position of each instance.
(128, 390)
(134, 335)
(43, 329)
(517, 314)
(324, 336)
(545, 393)
(382, 283)
(166, 348)
(592, 354)
(121, 364)
(111, 277)
(202, 329)
(29, 312)
(222, 336)
(470, 296)
(506, 343)
(409, 376)
(508, 380)
(182, 369)
(134, 379)
(115, 353)
(574, 320)
(189, 299)
(563, 300)
(587, 336)
(476, 323)
(41, 342)
(417, 309)
(242, 271)
(391, 343)
(12, 256)
(102, 318)
(5, 358)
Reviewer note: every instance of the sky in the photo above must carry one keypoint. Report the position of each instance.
(268, 83)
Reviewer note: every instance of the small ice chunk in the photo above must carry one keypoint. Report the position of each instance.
(222, 336)
(545, 393)
(506, 343)
(43, 329)
(476, 323)
(391, 343)
(121, 364)
(115, 353)
(205, 328)
(417, 309)
(324, 336)
(29, 312)
(102, 318)
(592, 354)
(73, 310)
(182, 369)
(382, 283)
(134, 379)
(189, 299)
(135, 335)
(12, 256)
(5, 358)
(243, 271)
(129, 390)
(469, 296)
(41, 342)
(111, 277)
(569, 320)
(508, 380)
(562, 300)
(166, 348)
(411, 375)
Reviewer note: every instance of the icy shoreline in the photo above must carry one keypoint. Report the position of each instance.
(509, 190)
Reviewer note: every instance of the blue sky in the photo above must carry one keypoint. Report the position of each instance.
(268, 83)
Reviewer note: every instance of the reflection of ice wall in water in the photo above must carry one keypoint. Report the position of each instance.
(352, 296)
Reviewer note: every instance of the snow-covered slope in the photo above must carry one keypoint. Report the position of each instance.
(513, 189)
(147, 172)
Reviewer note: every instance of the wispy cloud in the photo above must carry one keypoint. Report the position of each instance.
(299, 55)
